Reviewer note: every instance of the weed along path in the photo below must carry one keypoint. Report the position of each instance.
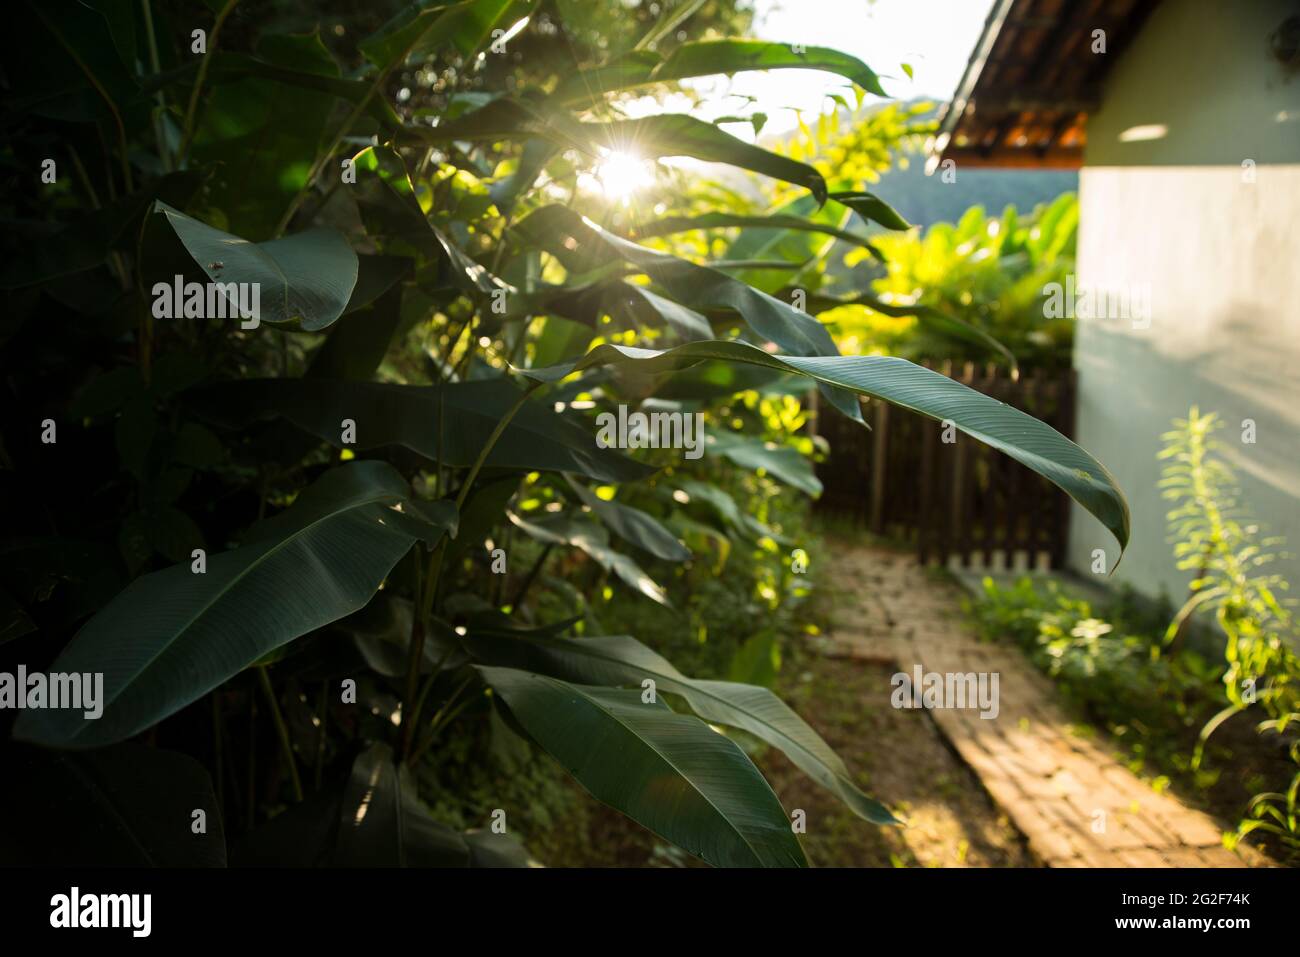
(1074, 803)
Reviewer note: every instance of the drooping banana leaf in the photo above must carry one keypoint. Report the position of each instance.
(670, 225)
(308, 277)
(581, 244)
(622, 660)
(173, 635)
(385, 414)
(872, 208)
(669, 772)
(1026, 439)
(633, 525)
(709, 58)
(648, 137)
(589, 537)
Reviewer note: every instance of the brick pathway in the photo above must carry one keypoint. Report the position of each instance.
(1075, 804)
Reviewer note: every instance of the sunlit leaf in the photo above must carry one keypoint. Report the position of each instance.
(1026, 439)
(669, 772)
(173, 635)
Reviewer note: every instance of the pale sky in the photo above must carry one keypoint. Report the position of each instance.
(934, 36)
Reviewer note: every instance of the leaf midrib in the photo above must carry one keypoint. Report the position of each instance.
(578, 689)
(689, 682)
(222, 593)
(754, 356)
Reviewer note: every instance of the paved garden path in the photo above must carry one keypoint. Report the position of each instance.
(1075, 804)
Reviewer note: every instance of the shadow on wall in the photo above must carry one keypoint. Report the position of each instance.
(1131, 387)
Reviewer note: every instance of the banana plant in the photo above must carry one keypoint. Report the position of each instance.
(290, 530)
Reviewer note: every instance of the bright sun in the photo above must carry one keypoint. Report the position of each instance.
(621, 175)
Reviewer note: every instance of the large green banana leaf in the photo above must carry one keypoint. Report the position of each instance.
(308, 276)
(1026, 439)
(648, 137)
(633, 525)
(171, 636)
(667, 771)
(622, 660)
(709, 58)
(582, 245)
(385, 414)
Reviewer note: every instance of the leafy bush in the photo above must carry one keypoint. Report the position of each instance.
(1217, 539)
(1108, 668)
(290, 535)
(1135, 672)
(989, 273)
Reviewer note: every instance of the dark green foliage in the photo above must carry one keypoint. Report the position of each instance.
(318, 548)
(1162, 682)
(1111, 670)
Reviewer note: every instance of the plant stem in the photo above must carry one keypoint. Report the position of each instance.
(322, 715)
(416, 654)
(114, 257)
(499, 581)
(409, 706)
(99, 88)
(438, 721)
(533, 572)
(457, 371)
(252, 761)
(160, 136)
(504, 421)
(218, 752)
(513, 357)
(188, 129)
(108, 164)
(85, 180)
(444, 377)
(419, 703)
(443, 718)
(281, 730)
(435, 560)
(430, 586)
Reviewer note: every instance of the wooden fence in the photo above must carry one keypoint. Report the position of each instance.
(956, 499)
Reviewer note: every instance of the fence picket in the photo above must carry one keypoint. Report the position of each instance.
(952, 501)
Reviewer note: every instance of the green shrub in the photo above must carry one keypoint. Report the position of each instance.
(1114, 675)
(992, 274)
(1217, 539)
(316, 549)
(1134, 671)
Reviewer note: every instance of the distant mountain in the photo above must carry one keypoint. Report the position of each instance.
(925, 200)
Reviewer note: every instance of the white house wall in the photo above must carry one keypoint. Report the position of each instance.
(1173, 212)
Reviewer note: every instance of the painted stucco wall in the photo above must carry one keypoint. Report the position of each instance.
(1176, 215)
